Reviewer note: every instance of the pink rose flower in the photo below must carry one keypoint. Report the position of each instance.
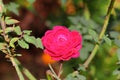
(62, 44)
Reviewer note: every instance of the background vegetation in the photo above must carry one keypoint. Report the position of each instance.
(85, 16)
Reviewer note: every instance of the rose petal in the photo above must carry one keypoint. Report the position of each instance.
(62, 44)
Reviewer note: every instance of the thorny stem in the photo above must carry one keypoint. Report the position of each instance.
(20, 75)
(60, 70)
(10, 53)
(55, 75)
(3, 25)
(24, 70)
(50, 75)
(19, 68)
(93, 53)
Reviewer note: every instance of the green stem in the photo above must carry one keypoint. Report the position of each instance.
(53, 72)
(93, 53)
(25, 71)
(28, 74)
(14, 61)
(3, 27)
(15, 64)
(9, 52)
(60, 69)
(49, 75)
(20, 68)
(20, 75)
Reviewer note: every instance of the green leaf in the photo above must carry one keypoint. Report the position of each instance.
(81, 77)
(82, 68)
(31, 1)
(77, 27)
(84, 53)
(70, 77)
(116, 72)
(30, 39)
(87, 48)
(1, 39)
(12, 41)
(9, 29)
(18, 31)
(107, 40)
(13, 7)
(114, 34)
(93, 34)
(23, 44)
(87, 37)
(75, 76)
(1, 31)
(39, 43)
(10, 21)
(118, 53)
(2, 46)
(117, 42)
(28, 32)
(74, 20)
(17, 54)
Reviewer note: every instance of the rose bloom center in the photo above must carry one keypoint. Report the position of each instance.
(61, 38)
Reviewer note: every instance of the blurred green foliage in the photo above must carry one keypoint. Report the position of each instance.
(87, 17)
